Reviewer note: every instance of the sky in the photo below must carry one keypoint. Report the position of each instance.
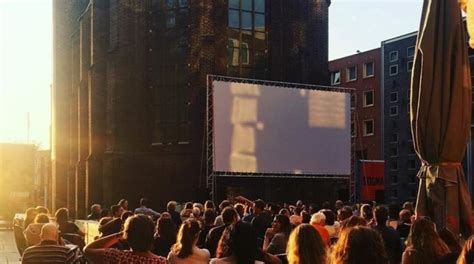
(26, 53)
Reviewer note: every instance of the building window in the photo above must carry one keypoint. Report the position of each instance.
(353, 100)
(409, 66)
(368, 69)
(393, 150)
(393, 56)
(393, 70)
(247, 54)
(412, 164)
(394, 193)
(368, 99)
(393, 110)
(394, 165)
(335, 77)
(394, 178)
(368, 127)
(353, 129)
(351, 73)
(394, 137)
(393, 97)
(411, 52)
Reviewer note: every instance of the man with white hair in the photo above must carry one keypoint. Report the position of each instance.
(318, 220)
(48, 250)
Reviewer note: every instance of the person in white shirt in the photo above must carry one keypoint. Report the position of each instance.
(185, 250)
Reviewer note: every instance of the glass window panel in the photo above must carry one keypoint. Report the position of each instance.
(233, 43)
(170, 4)
(183, 3)
(234, 21)
(234, 4)
(232, 57)
(259, 6)
(247, 5)
(246, 20)
(234, 33)
(171, 20)
(259, 22)
(245, 56)
(260, 35)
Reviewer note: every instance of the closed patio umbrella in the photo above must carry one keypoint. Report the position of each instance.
(441, 115)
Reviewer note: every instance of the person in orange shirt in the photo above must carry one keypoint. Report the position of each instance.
(318, 220)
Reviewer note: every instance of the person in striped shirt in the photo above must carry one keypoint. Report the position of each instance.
(48, 250)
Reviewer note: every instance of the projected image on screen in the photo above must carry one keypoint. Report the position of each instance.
(271, 129)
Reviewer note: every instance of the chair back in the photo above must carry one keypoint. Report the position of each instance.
(20, 239)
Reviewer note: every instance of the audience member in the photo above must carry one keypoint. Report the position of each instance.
(65, 226)
(33, 231)
(96, 210)
(219, 221)
(209, 205)
(338, 205)
(318, 221)
(165, 236)
(330, 223)
(393, 215)
(295, 218)
(143, 209)
(187, 210)
(138, 232)
(467, 253)
(359, 245)
(305, 217)
(229, 215)
(276, 237)
(284, 212)
(353, 221)
(185, 251)
(343, 214)
(171, 209)
(305, 246)
(453, 244)
(240, 208)
(389, 235)
(403, 228)
(124, 204)
(366, 213)
(423, 244)
(48, 250)
(30, 215)
(42, 210)
(206, 225)
(114, 225)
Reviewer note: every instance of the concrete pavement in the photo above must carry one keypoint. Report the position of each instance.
(8, 251)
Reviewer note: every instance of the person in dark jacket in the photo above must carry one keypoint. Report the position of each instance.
(389, 235)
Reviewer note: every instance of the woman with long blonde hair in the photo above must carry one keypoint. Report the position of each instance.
(305, 246)
(185, 250)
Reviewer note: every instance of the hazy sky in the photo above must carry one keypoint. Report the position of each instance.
(26, 53)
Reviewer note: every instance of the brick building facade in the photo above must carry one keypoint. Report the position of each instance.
(129, 89)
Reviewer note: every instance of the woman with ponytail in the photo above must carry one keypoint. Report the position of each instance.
(185, 250)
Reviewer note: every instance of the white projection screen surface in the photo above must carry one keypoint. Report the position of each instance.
(270, 129)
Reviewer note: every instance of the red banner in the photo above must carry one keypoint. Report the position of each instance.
(371, 179)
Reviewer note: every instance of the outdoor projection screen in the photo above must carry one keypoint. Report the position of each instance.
(268, 129)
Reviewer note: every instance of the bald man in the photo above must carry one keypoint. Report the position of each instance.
(48, 250)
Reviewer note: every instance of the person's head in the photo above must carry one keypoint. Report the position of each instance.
(313, 208)
(240, 208)
(423, 238)
(224, 204)
(409, 206)
(209, 205)
(359, 245)
(42, 210)
(30, 214)
(305, 246)
(105, 212)
(96, 209)
(450, 240)
(381, 215)
(338, 204)
(285, 212)
(229, 215)
(238, 241)
(326, 205)
(116, 211)
(297, 211)
(344, 213)
(62, 216)
(199, 205)
(281, 224)
(299, 203)
(305, 217)
(196, 212)
(330, 217)
(209, 217)
(366, 212)
(186, 239)
(138, 231)
(171, 206)
(467, 253)
(318, 219)
(49, 232)
(259, 206)
(144, 202)
(123, 203)
(41, 219)
(165, 228)
(354, 221)
(125, 215)
(188, 206)
(405, 216)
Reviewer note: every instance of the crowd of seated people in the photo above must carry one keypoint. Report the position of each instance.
(243, 231)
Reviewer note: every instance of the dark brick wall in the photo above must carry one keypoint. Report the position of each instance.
(108, 113)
